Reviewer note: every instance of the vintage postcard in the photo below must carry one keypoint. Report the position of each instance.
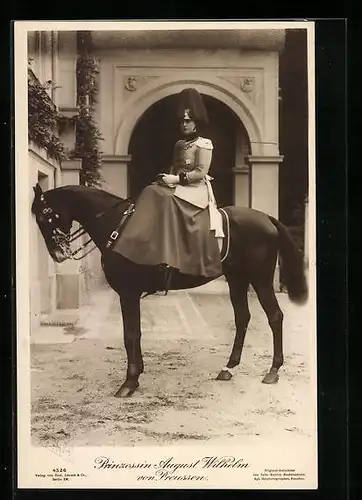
(165, 249)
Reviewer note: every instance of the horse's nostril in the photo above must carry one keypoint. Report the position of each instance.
(58, 255)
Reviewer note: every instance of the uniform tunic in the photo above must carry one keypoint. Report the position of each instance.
(171, 224)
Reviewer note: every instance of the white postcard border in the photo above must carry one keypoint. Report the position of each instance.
(268, 455)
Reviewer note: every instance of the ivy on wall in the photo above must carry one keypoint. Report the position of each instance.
(43, 118)
(45, 121)
(87, 135)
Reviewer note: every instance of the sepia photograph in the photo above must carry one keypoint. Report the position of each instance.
(165, 246)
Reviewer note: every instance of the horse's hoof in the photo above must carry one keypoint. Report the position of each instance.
(270, 378)
(125, 391)
(224, 375)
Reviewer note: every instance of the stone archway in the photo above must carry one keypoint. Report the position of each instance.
(259, 179)
(151, 93)
(157, 130)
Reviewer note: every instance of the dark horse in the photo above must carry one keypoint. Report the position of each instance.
(255, 241)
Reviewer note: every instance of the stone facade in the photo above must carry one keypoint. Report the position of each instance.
(133, 80)
(242, 73)
(53, 287)
(237, 73)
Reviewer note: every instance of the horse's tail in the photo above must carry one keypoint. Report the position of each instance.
(292, 265)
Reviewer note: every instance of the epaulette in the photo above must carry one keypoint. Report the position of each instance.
(204, 143)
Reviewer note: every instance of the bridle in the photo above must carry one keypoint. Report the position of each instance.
(63, 240)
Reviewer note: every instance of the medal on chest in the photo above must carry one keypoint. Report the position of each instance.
(185, 145)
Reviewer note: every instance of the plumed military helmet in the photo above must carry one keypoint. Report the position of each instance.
(191, 100)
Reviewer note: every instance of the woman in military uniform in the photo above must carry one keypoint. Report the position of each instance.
(176, 222)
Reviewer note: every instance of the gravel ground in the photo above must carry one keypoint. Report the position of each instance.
(187, 338)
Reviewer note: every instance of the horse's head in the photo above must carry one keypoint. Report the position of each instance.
(54, 224)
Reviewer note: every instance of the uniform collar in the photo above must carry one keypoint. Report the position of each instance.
(191, 137)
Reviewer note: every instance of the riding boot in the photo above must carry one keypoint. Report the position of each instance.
(168, 272)
(162, 282)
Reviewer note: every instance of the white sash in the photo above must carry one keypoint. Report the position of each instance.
(215, 215)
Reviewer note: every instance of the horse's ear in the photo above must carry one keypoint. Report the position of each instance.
(37, 189)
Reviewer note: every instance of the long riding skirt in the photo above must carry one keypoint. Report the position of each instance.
(167, 230)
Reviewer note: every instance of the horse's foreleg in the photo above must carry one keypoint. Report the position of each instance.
(130, 304)
(239, 298)
(269, 303)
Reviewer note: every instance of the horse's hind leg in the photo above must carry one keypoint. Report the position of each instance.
(239, 299)
(268, 301)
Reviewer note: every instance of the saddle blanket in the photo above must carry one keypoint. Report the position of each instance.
(224, 252)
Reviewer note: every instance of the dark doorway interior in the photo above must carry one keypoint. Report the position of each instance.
(157, 131)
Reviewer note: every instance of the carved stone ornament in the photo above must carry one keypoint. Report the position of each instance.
(247, 84)
(131, 84)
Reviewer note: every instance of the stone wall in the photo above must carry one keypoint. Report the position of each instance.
(42, 268)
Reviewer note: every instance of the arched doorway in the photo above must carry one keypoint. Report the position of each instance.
(156, 132)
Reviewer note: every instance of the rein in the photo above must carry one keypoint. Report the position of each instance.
(82, 247)
(81, 231)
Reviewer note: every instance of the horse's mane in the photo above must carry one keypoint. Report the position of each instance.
(85, 191)
(92, 194)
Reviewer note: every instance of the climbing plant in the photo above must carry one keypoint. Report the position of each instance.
(43, 118)
(88, 137)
